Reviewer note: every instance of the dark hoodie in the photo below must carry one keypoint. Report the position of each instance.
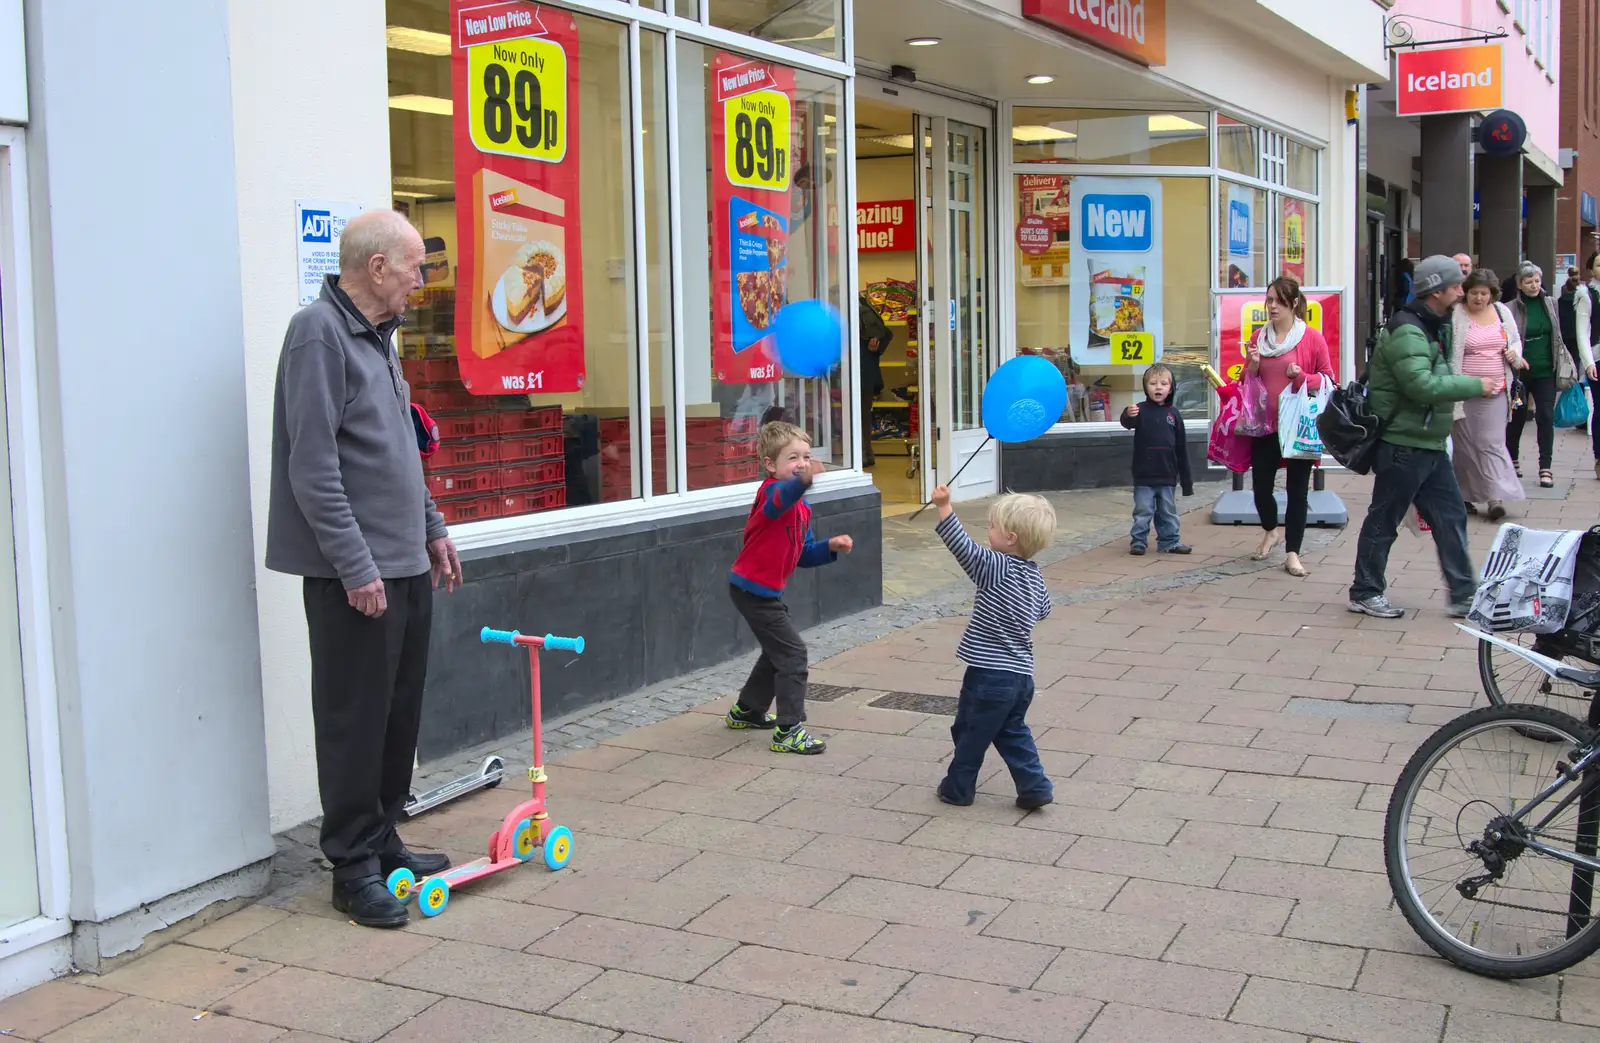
(1160, 455)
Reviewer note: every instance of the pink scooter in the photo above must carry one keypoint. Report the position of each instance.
(526, 829)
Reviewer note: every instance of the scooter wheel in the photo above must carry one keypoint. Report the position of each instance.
(558, 848)
(401, 884)
(524, 842)
(433, 896)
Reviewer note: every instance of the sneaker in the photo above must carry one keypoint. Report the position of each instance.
(1497, 510)
(796, 740)
(740, 718)
(1459, 609)
(1378, 606)
(366, 901)
(1034, 803)
(1136, 550)
(1182, 548)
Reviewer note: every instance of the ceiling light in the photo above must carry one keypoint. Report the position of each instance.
(923, 41)
(422, 182)
(400, 194)
(901, 141)
(422, 103)
(830, 118)
(1158, 124)
(1035, 135)
(418, 41)
(1041, 79)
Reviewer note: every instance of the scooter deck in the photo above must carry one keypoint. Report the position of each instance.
(455, 876)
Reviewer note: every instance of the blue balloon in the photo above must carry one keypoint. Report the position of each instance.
(1023, 399)
(810, 338)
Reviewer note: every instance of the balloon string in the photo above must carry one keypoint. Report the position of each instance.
(987, 439)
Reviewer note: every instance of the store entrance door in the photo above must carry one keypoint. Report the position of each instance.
(923, 213)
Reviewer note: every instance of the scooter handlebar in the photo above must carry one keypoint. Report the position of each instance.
(491, 636)
(564, 644)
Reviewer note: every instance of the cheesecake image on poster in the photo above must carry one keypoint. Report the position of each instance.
(759, 250)
(521, 262)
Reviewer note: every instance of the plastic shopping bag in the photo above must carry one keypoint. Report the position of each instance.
(1297, 422)
(1256, 415)
(1226, 446)
(1572, 408)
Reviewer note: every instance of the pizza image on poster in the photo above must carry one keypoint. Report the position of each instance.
(760, 272)
(519, 288)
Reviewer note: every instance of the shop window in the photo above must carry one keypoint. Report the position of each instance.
(1300, 167)
(810, 25)
(1115, 276)
(760, 229)
(681, 8)
(1297, 239)
(1040, 135)
(1241, 236)
(1238, 147)
(552, 284)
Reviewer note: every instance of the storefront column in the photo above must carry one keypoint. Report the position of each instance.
(1446, 184)
(1542, 229)
(1500, 213)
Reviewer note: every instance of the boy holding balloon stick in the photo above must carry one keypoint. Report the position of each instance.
(777, 540)
(998, 645)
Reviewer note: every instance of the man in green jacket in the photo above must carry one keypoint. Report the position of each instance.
(1412, 389)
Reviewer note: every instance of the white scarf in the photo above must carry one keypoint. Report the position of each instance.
(1268, 348)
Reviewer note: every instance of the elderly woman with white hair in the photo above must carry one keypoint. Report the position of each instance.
(1543, 349)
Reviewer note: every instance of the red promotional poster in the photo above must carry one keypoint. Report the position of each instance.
(887, 227)
(519, 291)
(1241, 313)
(1292, 239)
(752, 151)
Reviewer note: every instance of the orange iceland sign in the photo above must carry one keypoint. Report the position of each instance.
(1135, 29)
(1450, 79)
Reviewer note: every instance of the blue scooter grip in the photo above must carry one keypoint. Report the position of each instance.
(564, 644)
(490, 636)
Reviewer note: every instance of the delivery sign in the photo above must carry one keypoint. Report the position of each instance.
(1449, 79)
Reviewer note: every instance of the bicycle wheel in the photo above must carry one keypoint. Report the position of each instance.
(1458, 866)
(1508, 678)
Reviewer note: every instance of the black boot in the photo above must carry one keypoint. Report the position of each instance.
(366, 901)
(421, 865)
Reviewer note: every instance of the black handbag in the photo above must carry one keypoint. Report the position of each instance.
(1350, 433)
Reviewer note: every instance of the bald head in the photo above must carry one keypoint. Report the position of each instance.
(1465, 261)
(380, 263)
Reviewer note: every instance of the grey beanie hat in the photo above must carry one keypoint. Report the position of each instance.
(1434, 274)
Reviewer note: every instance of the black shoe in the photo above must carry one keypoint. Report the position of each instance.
(1136, 550)
(1182, 548)
(366, 901)
(951, 800)
(422, 865)
(1034, 803)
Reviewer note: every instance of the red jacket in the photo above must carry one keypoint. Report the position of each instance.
(777, 540)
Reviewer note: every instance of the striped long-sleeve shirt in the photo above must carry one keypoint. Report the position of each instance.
(1011, 598)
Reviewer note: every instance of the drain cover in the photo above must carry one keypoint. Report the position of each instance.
(826, 693)
(940, 704)
(1395, 712)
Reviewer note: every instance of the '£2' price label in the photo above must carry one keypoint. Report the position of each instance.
(517, 98)
(1133, 349)
(757, 131)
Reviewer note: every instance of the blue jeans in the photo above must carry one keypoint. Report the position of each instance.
(993, 706)
(1159, 502)
(1403, 476)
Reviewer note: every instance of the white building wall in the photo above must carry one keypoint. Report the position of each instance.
(310, 82)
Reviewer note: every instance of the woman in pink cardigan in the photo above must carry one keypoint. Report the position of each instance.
(1285, 353)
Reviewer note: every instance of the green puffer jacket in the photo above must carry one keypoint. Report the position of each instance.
(1414, 372)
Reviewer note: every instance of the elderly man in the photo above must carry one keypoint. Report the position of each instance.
(1465, 261)
(1412, 391)
(350, 513)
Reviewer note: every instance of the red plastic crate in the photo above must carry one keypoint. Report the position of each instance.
(731, 451)
(528, 421)
(421, 372)
(530, 501)
(449, 484)
(711, 427)
(455, 456)
(446, 399)
(532, 447)
(526, 476)
(471, 509)
(461, 426)
(707, 475)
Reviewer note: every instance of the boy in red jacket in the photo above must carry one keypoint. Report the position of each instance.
(777, 540)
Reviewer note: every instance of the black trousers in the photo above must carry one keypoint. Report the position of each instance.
(784, 667)
(869, 395)
(1543, 392)
(1265, 453)
(366, 704)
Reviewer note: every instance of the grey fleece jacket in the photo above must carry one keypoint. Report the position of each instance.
(348, 500)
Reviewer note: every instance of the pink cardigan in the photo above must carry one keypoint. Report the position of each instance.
(1311, 355)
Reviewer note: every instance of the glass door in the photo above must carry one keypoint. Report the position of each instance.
(933, 295)
(967, 208)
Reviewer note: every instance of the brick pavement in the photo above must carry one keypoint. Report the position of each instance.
(1222, 737)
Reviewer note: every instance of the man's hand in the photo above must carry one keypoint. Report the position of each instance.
(446, 563)
(369, 599)
(1131, 412)
(841, 545)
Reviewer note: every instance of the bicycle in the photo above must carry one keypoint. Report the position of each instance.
(1501, 882)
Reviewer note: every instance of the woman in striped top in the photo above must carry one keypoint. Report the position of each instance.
(1484, 343)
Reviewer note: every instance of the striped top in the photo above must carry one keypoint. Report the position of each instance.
(1484, 354)
(1011, 598)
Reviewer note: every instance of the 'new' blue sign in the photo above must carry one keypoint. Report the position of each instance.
(1238, 228)
(1117, 223)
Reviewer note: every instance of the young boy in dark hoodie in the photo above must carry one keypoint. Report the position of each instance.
(1160, 464)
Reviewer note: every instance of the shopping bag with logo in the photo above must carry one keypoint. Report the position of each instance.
(1297, 422)
(1256, 415)
(1226, 446)
(1572, 408)
(1527, 581)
